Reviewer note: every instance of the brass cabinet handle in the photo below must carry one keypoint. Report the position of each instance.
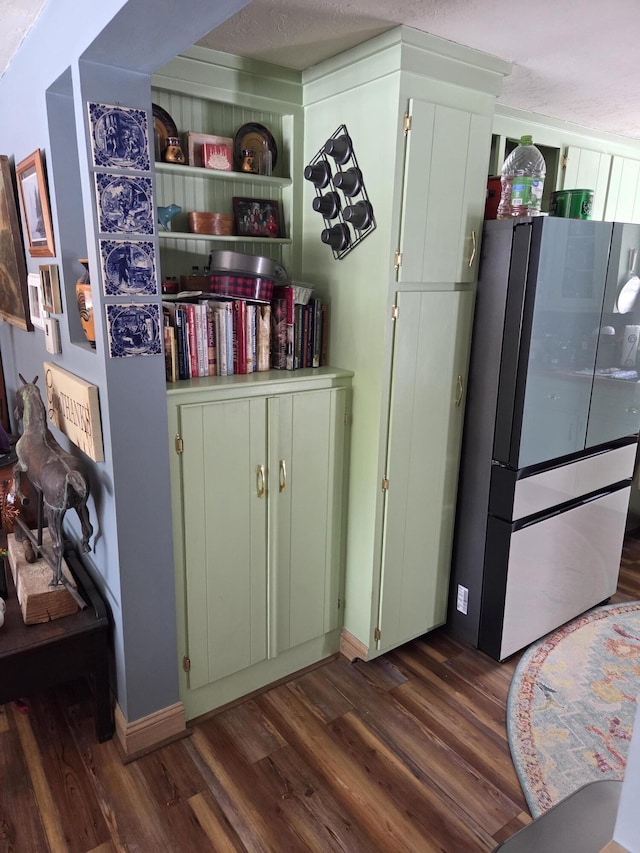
(473, 251)
(460, 387)
(260, 481)
(283, 475)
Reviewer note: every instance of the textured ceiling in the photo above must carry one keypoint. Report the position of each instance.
(575, 60)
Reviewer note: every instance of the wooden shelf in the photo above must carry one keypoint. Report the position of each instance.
(215, 238)
(219, 175)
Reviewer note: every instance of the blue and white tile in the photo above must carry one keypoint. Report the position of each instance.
(134, 329)
(128, 268)
(125, 204)
(119, 137)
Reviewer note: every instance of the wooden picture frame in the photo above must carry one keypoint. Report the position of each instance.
(14, 295)
(195, 142)
(36, 311)
(34, 204)
(256, 217)
(50, 281)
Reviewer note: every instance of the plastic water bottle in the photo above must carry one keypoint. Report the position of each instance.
(522, 180)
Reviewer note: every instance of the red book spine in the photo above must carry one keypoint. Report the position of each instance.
(239, 336)
(193, 340)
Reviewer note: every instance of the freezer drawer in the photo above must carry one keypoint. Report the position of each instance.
(542, 575)
(514, 498)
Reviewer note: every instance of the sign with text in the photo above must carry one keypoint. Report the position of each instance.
(73, 407)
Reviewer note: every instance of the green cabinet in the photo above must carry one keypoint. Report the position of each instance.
(439, 240)
(258, 477)
(419, 113)
(430, 359)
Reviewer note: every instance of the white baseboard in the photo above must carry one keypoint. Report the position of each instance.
(148, 733)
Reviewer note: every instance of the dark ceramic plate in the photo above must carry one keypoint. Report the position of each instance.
(164, 124)
(246, 136)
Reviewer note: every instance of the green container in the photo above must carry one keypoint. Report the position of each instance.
(572, 204)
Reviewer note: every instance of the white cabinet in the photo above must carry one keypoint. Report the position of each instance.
(623, 198)
(258, 487)
(588, 170)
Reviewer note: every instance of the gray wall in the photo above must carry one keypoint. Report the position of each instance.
(105, 53)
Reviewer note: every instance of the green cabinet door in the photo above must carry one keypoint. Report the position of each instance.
(443, 206)
(430, 358)
(224, 467)
(307, 450)
(262, 483)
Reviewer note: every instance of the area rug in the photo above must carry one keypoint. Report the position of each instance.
(572, 703)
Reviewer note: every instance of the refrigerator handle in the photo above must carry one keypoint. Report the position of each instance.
(474, 244)
(460, 391)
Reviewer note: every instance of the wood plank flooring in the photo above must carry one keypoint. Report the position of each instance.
(405, 753)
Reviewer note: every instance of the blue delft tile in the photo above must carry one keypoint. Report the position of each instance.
(133, 330)
(125, 204)
(128, 268)
(119, 137)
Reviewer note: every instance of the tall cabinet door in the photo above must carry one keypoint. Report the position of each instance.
(588, 170)
(307, 450)
(443, 208)
(430, 361)
(224, 470)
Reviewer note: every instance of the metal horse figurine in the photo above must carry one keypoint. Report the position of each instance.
(54, 472)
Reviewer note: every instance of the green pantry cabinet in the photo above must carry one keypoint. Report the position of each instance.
(258, 474)
(260, 577)
(419, 112)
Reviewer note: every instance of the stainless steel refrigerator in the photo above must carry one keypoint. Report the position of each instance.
(551, 429)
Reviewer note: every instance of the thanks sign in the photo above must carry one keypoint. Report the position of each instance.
(73, 407)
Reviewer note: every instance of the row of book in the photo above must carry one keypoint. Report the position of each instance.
(222, 337)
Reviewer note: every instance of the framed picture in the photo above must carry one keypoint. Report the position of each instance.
(34, 202)
(212, 152)
(14, 296)
(256, 217)
(36, 312)
(119, 137)
(51, 301)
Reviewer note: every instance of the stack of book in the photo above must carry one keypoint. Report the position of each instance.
(222, 337)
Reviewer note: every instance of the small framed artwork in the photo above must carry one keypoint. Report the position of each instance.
(119, 137)
(14, 296)
(50, 283)
(125, 204)
(134, 329)
(212, 152)
(128, 268)
(36, 311)
(256, 217)
(34, 203)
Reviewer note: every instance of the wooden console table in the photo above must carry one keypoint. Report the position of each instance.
(39, 657)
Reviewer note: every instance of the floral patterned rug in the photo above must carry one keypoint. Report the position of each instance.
(572, 704)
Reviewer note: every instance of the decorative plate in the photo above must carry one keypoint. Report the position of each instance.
(125, 204)
(119, 137)
(164, 125)
(250, 136)
(128, 268)
(133, 330)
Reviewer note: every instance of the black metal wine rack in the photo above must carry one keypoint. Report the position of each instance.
(333, 170)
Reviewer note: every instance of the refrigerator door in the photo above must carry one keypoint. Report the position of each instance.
(551, 331)
(615, 399)
(551, 571)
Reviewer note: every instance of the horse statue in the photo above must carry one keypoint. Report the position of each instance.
(55, 473)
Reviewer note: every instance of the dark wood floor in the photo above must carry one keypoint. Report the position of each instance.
(406, 753)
